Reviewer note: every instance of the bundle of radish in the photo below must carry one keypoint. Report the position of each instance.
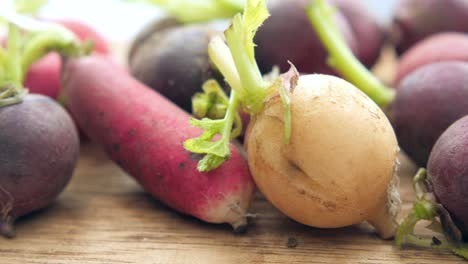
(38, 139)
(143, 132)
(441, 195)
(309, 140)
(429, 97)
(447, 162)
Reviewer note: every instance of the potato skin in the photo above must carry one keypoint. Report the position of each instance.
(439, 47)
(415, 20)
(173, 60)
(336, 170)
(448, 170)
(428, 101)
(289, 36)
(39, 151)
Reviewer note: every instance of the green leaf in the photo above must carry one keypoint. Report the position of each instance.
(426, 207)
(236, 61)
(29, 6)
(240, 38)
(212, 102)
(255, 14)
(196, 11)
(216, 150)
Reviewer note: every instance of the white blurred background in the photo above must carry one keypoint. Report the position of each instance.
(119, 21)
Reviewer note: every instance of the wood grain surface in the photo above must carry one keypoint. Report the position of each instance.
(105, 217)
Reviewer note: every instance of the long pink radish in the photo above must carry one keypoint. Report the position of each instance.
(144, 132)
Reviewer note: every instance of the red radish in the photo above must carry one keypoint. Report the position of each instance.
(43, 76)
(144, 132)
(440, 47)
(38, 140)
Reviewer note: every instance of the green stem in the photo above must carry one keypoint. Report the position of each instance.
(220, 55)
(253, 86)
(3, 60)
(189, 11)
(22, 51)
(44, 42)
(231, 114)
(13, 53)
(426, 208)
(341, 57)
(11, 89)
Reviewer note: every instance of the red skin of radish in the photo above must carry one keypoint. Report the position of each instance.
(143, 132)
(428, 101)
(39, 151)
(43, 77)
(448, 170)
(439, 47)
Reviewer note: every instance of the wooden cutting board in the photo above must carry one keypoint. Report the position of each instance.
(104, 217)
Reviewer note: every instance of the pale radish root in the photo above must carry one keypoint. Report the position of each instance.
(339, 167)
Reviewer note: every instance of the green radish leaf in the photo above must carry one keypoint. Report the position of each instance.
(212, 103)
(217, 151)
(190, 11)
(31, 7)
(236, 62)
(255, 14)
(287, 83)
(426, 208)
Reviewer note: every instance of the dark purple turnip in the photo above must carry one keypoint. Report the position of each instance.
(39, 143)
(39, 150)
(288, 36)
(417, 19)
(448, 171)
(428, 101)
(173, 59)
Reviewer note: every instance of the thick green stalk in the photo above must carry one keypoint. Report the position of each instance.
(198, 11)
(24, 48)
(253, 87)
(44, 42)
(236, 62)
(341, 57)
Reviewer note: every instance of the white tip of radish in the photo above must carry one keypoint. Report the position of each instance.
(385, 221)
(231, 209)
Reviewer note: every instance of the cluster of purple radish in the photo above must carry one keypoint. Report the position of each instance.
(430, 86)
(143, 132)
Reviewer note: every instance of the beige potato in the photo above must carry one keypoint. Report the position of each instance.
(339, 168)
